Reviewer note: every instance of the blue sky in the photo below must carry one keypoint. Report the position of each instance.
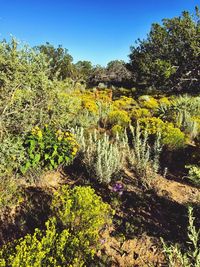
(98, 30)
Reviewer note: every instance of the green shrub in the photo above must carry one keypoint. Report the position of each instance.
(119, 117)
(143, 158)
(101, 157)
(71, 237)
(12, 154)
(138, 113)
(194, 174)
(177, 256)
(24, 88)
(49, 148)
(171, 136)
(10, 192)
(148, 102)
(117, 130)
(181, 112)
(81, 211)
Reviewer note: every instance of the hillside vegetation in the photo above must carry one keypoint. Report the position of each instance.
(100, 166)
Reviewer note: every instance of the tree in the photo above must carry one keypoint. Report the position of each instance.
(59, 61)
(84, 69)
(118, 74)
(170, 56)
(115, 73)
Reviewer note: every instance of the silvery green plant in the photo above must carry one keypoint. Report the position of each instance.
(143, 157)
(176, 256)
(181, 112)
(102, 157)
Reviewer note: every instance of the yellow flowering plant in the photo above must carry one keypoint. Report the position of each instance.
(171, 136)
(49, 148)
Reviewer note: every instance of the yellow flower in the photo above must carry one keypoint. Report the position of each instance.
(39, 133)
(59, 132)
(59, 138)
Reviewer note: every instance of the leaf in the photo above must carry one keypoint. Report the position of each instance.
(46, 156)
(60, 159)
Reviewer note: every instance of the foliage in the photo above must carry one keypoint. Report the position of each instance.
(194, 174)
(148, 102)
(190, 258)
(24, 85)
(143, 158)
(101, 157)
(119, 117)
(10, 192)
(168, 59)
(81, 211)
(58, 60)
(115, 73)
(12, 155)
(84, 69)
(49, 148)
(184, 112)
(117, 130)
(137, 113)
(71, 237)
(170, 135)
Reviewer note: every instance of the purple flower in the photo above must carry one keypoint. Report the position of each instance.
(118, 187)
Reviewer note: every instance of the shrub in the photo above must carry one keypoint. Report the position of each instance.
(148, 102)
(119, 117)
(71, 237)
(164, 101)
(82, 211)
(170, 136)
(143, 157)
(181, 112)
(140, 113)
(24, 85)
(117, 130)
(124, 103)
(101, 157)
(194, 174)
(176, 256)
(48, 148)
(10, 192)
(12, 154)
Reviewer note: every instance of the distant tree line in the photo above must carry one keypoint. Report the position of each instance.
(168, 60)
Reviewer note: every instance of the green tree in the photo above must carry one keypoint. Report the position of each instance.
(59, 61)
(170, 56)
(84, 69)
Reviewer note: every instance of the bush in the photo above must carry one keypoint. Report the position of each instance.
(182, 112)
(82, 211)
(12, 154)
(143, 157)
(49, 148)
(119, 117)
(138, 113)
(71, 237)
(171, 136)
(176, 255)
(148, 102)
(101, 157)
(10, 192)
(194, 174)
(24, 88)
(117, 130)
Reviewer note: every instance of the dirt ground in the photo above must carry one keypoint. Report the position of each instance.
(140, 220)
